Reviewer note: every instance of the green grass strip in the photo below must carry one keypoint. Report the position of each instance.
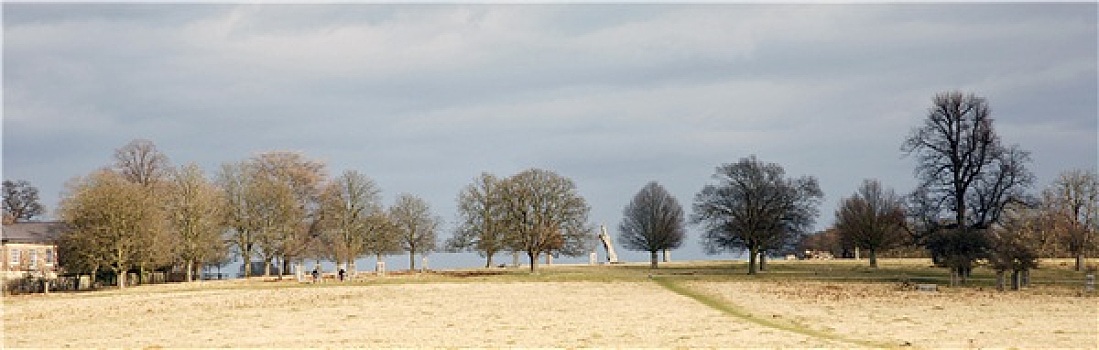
(742, 314)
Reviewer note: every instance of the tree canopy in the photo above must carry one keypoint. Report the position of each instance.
(967, 178)
(872, 219)
(754, 206)
(653, 221)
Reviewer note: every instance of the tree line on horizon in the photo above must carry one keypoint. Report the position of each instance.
(972, 204)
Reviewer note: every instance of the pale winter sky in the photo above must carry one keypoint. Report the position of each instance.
(423, 98)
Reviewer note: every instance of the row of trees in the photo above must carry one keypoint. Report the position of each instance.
(535, 212)
(972, 201)
(142, 213)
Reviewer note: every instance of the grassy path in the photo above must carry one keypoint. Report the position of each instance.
(732, 310)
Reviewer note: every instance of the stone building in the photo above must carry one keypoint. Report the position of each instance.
(29, 248)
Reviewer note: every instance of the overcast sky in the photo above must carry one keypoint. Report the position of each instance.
(423, 98)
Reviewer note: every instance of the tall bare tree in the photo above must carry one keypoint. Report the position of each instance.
(141, 162)
(873, 219)
(545, 214)
(193, 210)
(383, 238)
(1073, 202)
(481, 218)
(753, 206)
(305, 179)
(236, 183)
(350, 207)
(652, 222)
(111, 218)
(20, 201)
(415, 225)
(966, 176)
(278, 217)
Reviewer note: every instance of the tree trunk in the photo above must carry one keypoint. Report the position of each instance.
(953, 276)
(1080, 262)
(190, 270)
(1026, 278)
(266, 267)
(667, 256)
(652, 261)
(753, 252)
(533, 261)
(762, 260)
(120, 278)
(1016, 279)
(411, 260)
(1000, 280)
(488, 259)
(247, 257)
(515, 259)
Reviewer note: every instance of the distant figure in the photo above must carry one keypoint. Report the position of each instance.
(342, 272)
(316, 273)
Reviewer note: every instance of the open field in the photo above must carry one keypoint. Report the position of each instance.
(795, 304)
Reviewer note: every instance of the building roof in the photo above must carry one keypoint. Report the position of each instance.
(32, 232)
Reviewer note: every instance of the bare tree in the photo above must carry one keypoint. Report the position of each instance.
(139, 161)
(545, 215)
(652, 222)
(1013, 244)
(482, 218)
(753, 206)
(278, 218)
(348, 206)
(20, 201)
(305, 179)
(193, 209)
(873, 219)
(415, 225)
(1073, 202)
(235, 180)
(111, 219)
(966, 176)
(383, 238)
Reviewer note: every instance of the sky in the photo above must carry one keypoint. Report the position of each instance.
(424, 98)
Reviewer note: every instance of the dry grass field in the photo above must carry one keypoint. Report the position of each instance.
(685, 305)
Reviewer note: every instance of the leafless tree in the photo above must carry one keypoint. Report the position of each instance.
(415, 225)
(141, 162)
(278, 218)
(20, 201)
(545, 214)
(966, 176)
(193, 210)
(873, 219)
(349, 206)
(383, 238)
(753, 206)
(111, 219)
(1013, 243)
(482, 218)
(235, 181)
(652, 222)
(1073, 202)
(305, 179)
